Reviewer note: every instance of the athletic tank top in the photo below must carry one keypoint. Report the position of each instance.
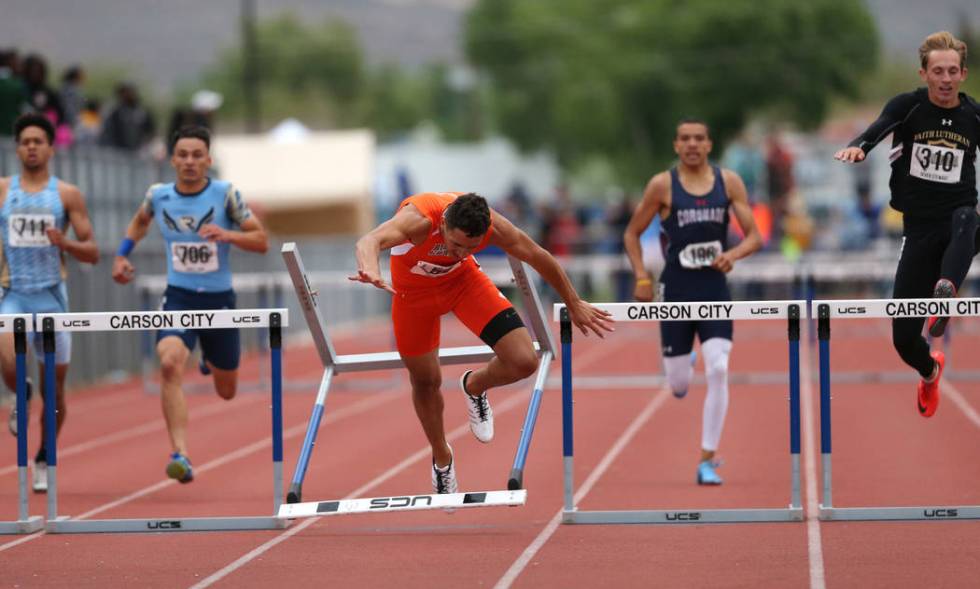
(429, 264)
(696, 230)
(30, 262)
(193, 262)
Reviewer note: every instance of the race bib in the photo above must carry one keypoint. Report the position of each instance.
(700, 255)
(29, 230)
(433, 270)
(936, 163)
(194, 257)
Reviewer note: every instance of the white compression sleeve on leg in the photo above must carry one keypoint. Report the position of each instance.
(715, 352)
(678, 370)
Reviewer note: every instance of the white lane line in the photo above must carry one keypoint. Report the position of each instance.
(297, 430)
(525, 558)
(810, 451)
(956, 397)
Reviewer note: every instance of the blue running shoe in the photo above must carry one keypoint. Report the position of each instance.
(690, 376)
(180, 468)
(203, 366)
(707, 474)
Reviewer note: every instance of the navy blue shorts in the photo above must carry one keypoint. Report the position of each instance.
(220, 347)
(681, 286)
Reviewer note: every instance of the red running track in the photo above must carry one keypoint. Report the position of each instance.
(635, 449)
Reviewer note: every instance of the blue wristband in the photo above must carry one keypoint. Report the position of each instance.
(125, 246)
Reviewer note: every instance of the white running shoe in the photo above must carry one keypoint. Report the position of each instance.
(481, 414)
(12, 421)
(40, 477)
(444, 478)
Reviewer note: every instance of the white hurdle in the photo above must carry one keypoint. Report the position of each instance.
(789, 311)
(879, 308)
(20, 325)
(272, 319)
(334, 363)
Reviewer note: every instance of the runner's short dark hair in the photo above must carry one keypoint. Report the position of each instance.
(470, 214)
(191, 132)
(33, 119)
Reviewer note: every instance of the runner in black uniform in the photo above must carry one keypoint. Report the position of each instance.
(693, 201)
(935, 133)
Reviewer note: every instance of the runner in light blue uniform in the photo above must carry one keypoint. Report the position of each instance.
(200, 219)
(36, 210)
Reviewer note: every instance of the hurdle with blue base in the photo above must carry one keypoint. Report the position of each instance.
(25, 523)
(790, 311)
(334, 363)
(273, 319)
(891, 309)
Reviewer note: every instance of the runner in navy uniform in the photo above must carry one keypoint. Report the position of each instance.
(693, 201)
(934, 131)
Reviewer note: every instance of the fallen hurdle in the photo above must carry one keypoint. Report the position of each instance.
(337, 364)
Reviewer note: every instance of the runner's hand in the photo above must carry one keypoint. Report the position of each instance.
(723, 262)
(850, 154)
(586, 317)
(122, 270)
(212, 232)
(372, 278)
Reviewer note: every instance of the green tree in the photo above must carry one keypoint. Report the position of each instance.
(312, 71)
(610, 79)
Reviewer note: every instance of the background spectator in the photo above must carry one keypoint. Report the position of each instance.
(128, 125)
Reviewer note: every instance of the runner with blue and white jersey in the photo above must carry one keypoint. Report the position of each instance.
(200, 219)
(37, 209)
(693, 201)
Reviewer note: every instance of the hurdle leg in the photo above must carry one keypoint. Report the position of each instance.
(794, 407)
(516, 480)
(295, 494)
(50, 417)
(566, 410)
(275, 349)
(823, 335)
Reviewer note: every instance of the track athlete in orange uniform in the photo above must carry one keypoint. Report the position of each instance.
(432, 237)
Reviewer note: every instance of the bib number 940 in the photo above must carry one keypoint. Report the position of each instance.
(195, 258)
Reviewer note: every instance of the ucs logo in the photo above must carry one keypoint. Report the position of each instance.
(852, 310)
(246, 319)
(383, 502)
(940, 513)
(764, 311)
(75, 323)
(684, 516)
(164, 525)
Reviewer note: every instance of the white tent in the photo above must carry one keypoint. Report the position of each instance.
(303, 182)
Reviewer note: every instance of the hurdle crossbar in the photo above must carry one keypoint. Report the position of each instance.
(334, 364)
(878, 308)
(25, 523)
(272, 319)
(404, 503)
(789, 311)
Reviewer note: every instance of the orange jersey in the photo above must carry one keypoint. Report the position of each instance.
(428, 264)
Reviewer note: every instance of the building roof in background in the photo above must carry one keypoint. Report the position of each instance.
(292, 169)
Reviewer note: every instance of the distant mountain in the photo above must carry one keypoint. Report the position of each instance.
(169, 41)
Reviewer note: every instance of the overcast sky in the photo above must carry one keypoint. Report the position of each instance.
(163, 42)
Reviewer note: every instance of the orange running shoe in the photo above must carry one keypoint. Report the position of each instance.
(929, 391)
